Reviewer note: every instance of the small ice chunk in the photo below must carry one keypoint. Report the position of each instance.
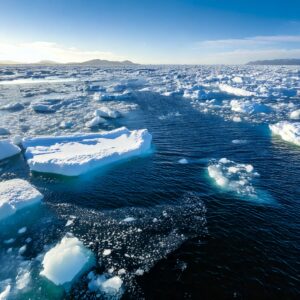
(106, 112)
(23, 280)
(8, 149)
(122, 271)
(139, 272)
(22, 230)
(295, 115)
(66, 260)
(42, 108)
(233, 176)
(16, 194)
(183, 161)
(112, 285)
(289, 132)
(129, 219)
(22, 249)
(5, 293)
(106, 252)
(235, 91)
(4, 131)
(66, 124)
(109, 286)
(69, 222)
(95, 122)
(9, 241)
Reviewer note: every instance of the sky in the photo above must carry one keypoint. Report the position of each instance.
(149, 31)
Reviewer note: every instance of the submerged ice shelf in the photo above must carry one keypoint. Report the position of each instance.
(77, 154)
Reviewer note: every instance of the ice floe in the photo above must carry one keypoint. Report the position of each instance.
(8, 149)
(67, 260)
(16, 194)
(77, 154)
(235, 91)
(288, 131)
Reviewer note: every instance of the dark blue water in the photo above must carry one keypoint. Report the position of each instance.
(243, 250)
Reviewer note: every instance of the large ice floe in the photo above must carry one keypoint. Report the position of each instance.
(233, 177)
(16, 194)
(288, 131)
(80, 153)
(8, 149)
(66, 261)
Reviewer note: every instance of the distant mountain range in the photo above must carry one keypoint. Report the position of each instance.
(276, 62)
(93, 62)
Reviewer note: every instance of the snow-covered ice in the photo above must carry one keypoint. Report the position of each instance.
(8, 149)
(67, 260)
(288, 131)
(80, 153)
(16, 194)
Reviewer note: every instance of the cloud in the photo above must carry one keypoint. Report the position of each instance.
(255, 41)
(238, 51)
(241, 56)
(40, 50)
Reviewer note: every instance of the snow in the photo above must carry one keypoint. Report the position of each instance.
(80, 153)
(66, 261)
(8, 149)
(16, 194)
(288, 131)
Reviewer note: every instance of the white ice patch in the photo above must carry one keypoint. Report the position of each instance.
(248, 107)
(183, 161)
(5, 293)
(233, 177)
(288, 131)
(106, 112)
(67, 260)
(16, 194)
(235, 91)
(110, 286)
(75, 155)
(295, 114)
(94, 122)
(8, 149)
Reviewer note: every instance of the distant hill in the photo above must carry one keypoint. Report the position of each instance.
(276, 62)
(93, 62)
(100, 62)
